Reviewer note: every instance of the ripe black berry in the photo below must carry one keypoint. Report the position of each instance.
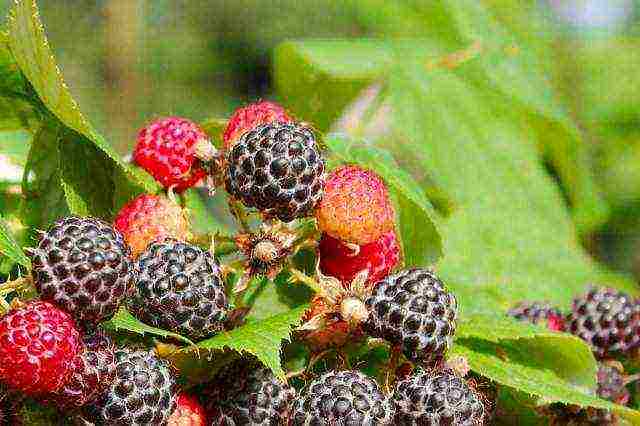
(413, 309)
(83, 266)
(179, 288)
(608, 320)
(143, 392)
(248, 394)
(278, 169)
(345, 398)
(437, 398)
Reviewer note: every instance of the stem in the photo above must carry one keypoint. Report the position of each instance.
(390, 374)
(238, 211)
(312, 362)
(297, 274)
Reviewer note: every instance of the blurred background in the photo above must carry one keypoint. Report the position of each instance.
(128, 61)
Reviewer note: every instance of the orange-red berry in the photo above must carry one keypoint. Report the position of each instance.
(355, 207)
(150, 218)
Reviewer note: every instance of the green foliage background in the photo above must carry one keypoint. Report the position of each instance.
(483, 131)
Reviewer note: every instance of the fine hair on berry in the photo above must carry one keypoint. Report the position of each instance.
(83, 265)
(180, 288)
(413, 309)
(278, 169)
(342, 398)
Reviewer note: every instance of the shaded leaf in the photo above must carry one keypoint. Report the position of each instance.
(535, 369)
(9, 246)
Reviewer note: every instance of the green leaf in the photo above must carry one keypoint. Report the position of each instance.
(510, 63)
(569, 355)
(261, 338)
(9, 246)
(30, 49)
(509, 234)
(418, 220)
(536, 369)
(318, 79)
(44, 197)
(123, 320)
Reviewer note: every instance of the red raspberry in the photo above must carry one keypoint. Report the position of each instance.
(356, 206)
(342, 262)
(38, 346)
(188, 412)
(150, 218)
(250, 116)
(166, 148)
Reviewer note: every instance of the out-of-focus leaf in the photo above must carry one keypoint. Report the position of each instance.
(509, 63)
(509, 228)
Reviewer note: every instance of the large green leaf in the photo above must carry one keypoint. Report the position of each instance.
(509, 232)
(44, 197)
(535, 369)
(9, 246)
(261, 338)
(509, 63)
(94, 163)
(418, 221)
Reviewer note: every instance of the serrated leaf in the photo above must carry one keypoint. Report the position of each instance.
(524, 365)
(9, 246)
(30, 49)
(123, 320)
(418, 221)
(262, 338)
(509, 232)
(570, 356)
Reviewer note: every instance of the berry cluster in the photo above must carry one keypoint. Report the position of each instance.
(149, 262)
(608, 321)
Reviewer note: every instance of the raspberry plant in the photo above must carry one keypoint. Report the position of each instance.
(454, 174)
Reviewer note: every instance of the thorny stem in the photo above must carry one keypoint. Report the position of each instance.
(238, 211)
(298, 275)
(312, 362)
(390, 373)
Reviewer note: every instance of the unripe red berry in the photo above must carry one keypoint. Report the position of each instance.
(150, 218)
(166, 148)
(355, 207)
(344, 262)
